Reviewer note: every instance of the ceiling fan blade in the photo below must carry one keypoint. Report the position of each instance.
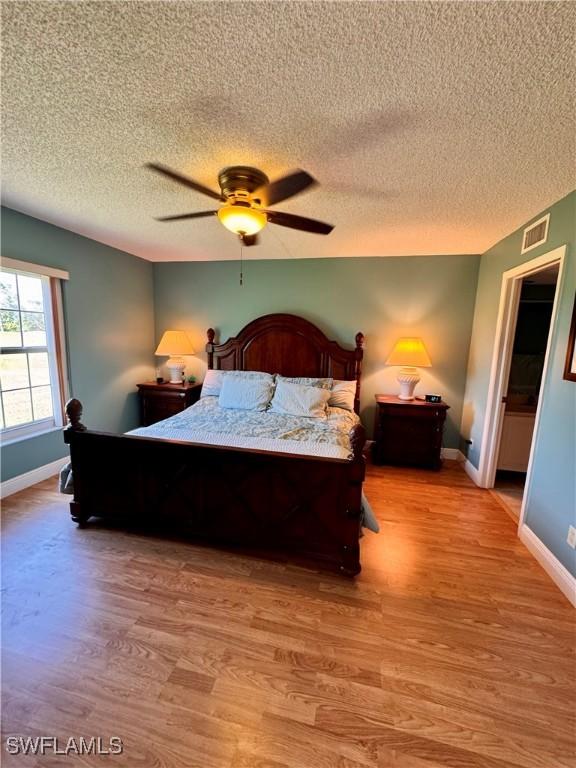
(178, 217)
(299, 222)
(285, 187)
(248, 240)
(175, 176)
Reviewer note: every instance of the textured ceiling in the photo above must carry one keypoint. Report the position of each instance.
(433, 127)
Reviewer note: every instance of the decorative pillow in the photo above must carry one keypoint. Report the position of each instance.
(308, 381)
(245, 394)
(213, 380)
(299, 400)
(342, 394)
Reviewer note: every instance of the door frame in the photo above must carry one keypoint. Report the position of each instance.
(502, 358)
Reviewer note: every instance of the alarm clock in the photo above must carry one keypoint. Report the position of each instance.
(433, 398)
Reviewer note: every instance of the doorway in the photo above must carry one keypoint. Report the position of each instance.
(522, 391)
(526, 319)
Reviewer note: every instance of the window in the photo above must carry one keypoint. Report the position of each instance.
(32, 366)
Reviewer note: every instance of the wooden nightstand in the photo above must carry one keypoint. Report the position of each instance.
(158, 401)
(408, 432)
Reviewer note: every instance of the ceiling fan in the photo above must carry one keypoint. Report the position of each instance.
(247, 194)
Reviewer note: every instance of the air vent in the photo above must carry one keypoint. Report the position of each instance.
(535, 234)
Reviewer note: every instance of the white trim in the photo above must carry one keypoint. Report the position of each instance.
(512, 298)
(527, 229)
(472, 472)
(559, 574)
(18, 483)
(447, 453)
(58, 316)
(502, 355)
(547, 356)
(453, 454)
(50, 309)
(34, 269)
(11, 435)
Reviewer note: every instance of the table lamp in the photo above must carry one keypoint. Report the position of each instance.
(175, 344)
(410, 353)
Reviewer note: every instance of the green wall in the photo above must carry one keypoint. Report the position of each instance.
(430, 296)
(551, 496)
(113, 300)
(109, 314)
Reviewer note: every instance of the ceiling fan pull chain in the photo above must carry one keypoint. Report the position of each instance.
(241, 262)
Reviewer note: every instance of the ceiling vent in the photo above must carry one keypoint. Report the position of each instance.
(535, 234)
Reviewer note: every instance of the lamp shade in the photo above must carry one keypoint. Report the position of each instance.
(175, 343)
(409, 351)
(242, 220)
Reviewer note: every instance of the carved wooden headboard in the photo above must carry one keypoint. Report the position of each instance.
(288, 345)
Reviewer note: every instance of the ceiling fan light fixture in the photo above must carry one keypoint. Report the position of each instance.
(242, 220)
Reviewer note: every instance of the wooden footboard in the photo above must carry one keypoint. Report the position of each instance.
(304, 505)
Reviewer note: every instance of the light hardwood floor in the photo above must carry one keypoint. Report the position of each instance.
(452, 648)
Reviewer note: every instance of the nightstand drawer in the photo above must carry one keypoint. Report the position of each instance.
(406, 440)
(156, 408)
(160, 401)
(165, 397)
(405, 411)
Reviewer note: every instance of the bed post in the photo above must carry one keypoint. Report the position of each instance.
(350, 552)
(74, 415)
(358, 355)
(357, 441)
(210, 333)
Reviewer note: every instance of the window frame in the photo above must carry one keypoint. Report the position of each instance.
(55, 347)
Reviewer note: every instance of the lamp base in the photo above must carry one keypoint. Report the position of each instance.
(407, 378)
(176, 366)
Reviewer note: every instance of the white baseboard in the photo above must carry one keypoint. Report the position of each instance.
(560, 575)
(472, 472)
(453, 454)
(18, 483)
(447, 453)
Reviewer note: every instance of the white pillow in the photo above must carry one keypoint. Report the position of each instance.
(245, 394)
(343, 394)
(299, 400)
(213, 380)
(309, 381)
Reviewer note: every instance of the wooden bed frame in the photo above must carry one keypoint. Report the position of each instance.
(304, 505)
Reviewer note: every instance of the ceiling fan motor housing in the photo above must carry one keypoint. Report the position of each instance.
(238, 182)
